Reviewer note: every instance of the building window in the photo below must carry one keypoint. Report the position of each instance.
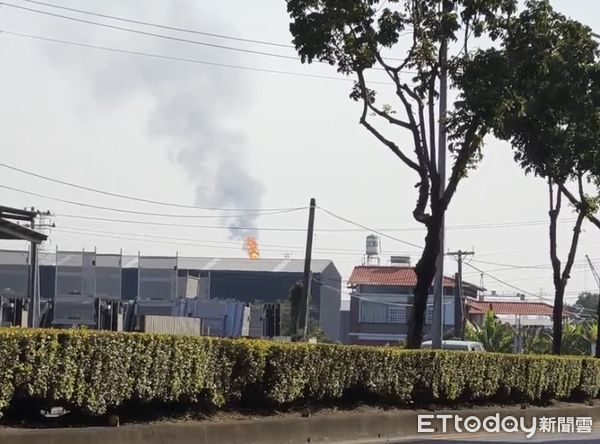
(429, 315)
(396, 314)
(373, 312)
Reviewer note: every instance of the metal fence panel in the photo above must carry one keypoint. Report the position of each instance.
(157, 278)
(14, 274)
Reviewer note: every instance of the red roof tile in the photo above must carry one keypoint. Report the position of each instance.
(512, 308)
(388, 276)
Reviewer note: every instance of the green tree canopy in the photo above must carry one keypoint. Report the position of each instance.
(587, 301)
(541, 91)
(363, 38)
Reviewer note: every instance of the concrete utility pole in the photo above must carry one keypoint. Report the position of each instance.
(459, 298)
(33, 315)
(307, 278)
(437, 328)
(597, 279)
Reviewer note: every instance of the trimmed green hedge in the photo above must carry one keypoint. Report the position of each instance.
(96, 371)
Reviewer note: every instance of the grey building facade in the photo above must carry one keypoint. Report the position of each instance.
(245, 280)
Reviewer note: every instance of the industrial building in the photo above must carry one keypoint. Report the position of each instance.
(154, 283)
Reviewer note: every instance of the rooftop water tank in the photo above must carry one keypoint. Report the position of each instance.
(372, 245)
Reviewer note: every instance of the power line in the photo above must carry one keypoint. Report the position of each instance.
(172, 241)
(144, 213)
(175, 28)
(168, 224)
(168, 204)
(369, 229)
(548, 276)
(500, 280)
(138, 199)
(150, 34)
(184, 59)
(166, 37)
(290, 248)
(233, 227)
(156, 25)
(194, 244)
(510, 266)
(223, 227)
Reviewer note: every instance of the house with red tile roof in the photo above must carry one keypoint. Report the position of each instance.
(381, 303)
(518, 313)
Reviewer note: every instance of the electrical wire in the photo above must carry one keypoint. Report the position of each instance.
(224, 227)
(150, 34)
(178, 29)
(510, 266)
(167, 37)
(183, 59)
(288, 248)
(108, 236)
(265, 210)
(500, 280)
(144, 213)
(156, 25)
(344, 219)
(169, 241)
(167, 224)
(137, 199)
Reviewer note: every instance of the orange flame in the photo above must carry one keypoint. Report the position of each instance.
(251, 246)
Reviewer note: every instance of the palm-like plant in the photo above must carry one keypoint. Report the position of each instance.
(590, 331)
(574, 341)
(536, 340)
(493, 334)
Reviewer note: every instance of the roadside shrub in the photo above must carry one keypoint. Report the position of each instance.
(92, 372)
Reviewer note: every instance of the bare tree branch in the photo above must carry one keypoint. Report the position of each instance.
(573, 250)
(419, 139)
(421, 167)
(391, 145)
(432, 128)
(462, 160)
(582, 210)
(389, 118)
(553, 213)
(574, 201)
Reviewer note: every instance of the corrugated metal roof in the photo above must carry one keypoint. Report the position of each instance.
(221, 264)
(513, 308)
(243, 264)
(388, 276)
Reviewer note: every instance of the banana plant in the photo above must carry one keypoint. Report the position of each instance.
(492, 333)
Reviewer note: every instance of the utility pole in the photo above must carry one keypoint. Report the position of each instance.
(597, 279)
(307, 278)
(459, 299)
(33, 314)
(437, 328)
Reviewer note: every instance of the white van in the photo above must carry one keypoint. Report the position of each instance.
(457, 345)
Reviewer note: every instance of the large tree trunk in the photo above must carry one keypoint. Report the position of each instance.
(559, 287)
(557, 324)
(425, 270)
(561, 278)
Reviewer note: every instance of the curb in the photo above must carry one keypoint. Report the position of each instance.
(379, 427)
